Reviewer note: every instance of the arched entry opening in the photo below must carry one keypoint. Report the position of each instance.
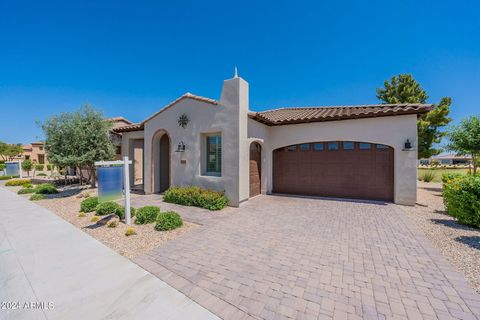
(161, 161)
(255, 169)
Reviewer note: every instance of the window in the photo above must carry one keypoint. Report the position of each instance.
(305, 147)
(291, 148)
(382, 146)
(214, 155)
(348, 145)
(365, 146)
(332, 146)
(318, 146)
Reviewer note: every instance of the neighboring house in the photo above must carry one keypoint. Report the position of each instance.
(448, 159)
(118, 122)
(364, 152)
(35, 152)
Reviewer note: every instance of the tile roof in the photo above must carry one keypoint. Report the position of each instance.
(139, 126)
(284, 116)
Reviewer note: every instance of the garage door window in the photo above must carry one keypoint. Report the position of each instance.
(382, 146)
(348, 145)
(332, 146)
(305, 147)
(292, 148)
(318, 146)
(365, 146)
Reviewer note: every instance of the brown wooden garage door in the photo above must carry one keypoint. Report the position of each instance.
(335, 169)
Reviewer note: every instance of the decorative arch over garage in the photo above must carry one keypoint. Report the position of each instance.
(345, 169)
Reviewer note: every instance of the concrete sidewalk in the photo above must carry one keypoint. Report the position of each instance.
(44, 259)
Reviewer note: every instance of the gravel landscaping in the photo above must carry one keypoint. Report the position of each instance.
(458, 243)
(66, 204)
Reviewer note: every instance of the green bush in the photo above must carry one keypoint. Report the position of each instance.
(168, 220)
(89, 204)
(18, 182)
(41, 174)
(121, 212)
(39, 167)
(35, 197)
(7, 177)
(27, 185)
(461, 196)
(50, 167)
(195, 196)
(46, 188)
(427, 175)
(26, 191)
(108, 207)
(147, 214)
(2, 166)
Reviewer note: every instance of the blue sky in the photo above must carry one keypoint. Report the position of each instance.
(131, 58)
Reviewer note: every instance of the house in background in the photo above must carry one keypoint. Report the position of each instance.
(35, 152)
(362, 152)
(447, 159)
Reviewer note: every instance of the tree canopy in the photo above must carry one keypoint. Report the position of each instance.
(405, 89)
(78, 139)
(464, 139)
(10, 151)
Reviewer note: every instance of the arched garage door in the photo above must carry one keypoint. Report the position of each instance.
(341, 169)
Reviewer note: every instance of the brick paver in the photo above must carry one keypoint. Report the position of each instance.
(297, 258)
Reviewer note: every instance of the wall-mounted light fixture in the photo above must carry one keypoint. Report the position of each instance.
(408, 145)
(180, 147)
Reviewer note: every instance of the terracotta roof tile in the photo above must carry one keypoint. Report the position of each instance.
(317, 114)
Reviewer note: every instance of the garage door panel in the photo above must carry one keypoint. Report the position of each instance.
(352, 173)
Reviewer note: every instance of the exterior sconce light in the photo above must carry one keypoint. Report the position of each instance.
(408, 145)
(180, 147)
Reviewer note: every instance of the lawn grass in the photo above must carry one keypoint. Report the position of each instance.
(440, 171)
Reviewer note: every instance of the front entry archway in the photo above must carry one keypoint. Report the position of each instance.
(161, 162)
(255, 169)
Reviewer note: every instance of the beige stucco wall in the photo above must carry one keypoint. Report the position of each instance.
(205, 118)
(392, 131)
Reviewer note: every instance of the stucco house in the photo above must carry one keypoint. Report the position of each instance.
(363, 152)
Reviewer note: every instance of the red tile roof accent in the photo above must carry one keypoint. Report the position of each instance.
(284, 116)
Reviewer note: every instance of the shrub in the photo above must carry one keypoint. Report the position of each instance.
(195, 196)
(18, 182)
(2, 166)
(108, 207)
(27, 165)
(46, 188)
(26, 191)
(82, 215)
(7, 177)
(95, 219)
(39, 167)
(27, 185)
(35, 197)
(112, 224)
(41, 174)
(89, 204)
(121, 212)
(461, 196)
(130, 232)
(147, 214)
(427, 175)
(168, 220)
(50, 167)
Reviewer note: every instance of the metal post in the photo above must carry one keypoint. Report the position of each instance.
(20, 169)
(126, 183)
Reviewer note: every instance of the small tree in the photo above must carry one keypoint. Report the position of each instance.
(78, 139)
(464, 139)
(27, 165)
(8, 152)
(405, 89)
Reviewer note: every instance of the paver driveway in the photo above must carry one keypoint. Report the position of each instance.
(283, 257)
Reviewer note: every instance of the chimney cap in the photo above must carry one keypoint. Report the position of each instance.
(236, 73)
